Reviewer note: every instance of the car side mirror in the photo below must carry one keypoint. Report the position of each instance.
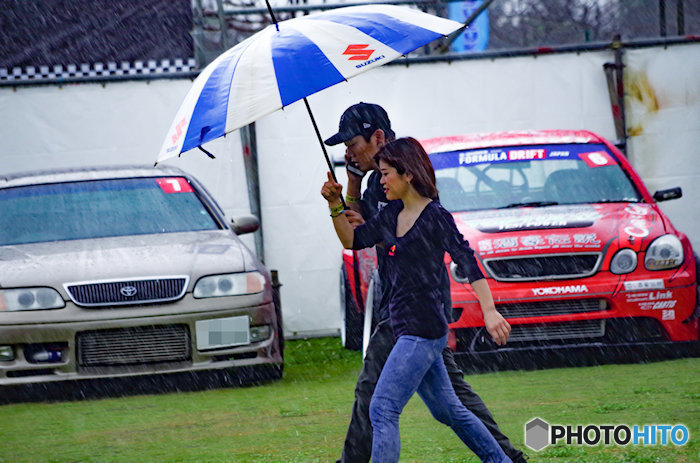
(671, 193)
(245, 224)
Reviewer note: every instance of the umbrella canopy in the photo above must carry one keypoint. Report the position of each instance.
(290, 60)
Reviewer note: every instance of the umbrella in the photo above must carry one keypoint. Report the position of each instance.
(290, 60)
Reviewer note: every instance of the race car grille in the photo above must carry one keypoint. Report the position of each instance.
(550, 331)
(555, 267)
(127, 292)
(546, 308)
(133, 346)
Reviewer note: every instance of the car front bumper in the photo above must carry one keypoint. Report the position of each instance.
(149, 343)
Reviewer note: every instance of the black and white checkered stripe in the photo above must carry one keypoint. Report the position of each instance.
(73, 71)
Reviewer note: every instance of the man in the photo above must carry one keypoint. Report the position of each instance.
(365, 128)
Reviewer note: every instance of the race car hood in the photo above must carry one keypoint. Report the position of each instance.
(133, 257)
(554, 229)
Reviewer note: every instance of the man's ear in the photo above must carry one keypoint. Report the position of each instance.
(379, 137)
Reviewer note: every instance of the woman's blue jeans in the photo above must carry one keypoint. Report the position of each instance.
(415, 365)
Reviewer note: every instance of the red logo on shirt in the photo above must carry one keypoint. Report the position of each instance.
(392, 250)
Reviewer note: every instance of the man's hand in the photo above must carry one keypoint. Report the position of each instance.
(355, 218)
(331, 190)
(354, 172)
(497, 326)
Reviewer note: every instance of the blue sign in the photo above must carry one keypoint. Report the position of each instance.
(476, 36)
(594, 155)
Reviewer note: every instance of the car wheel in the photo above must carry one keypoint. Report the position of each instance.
(352, 320)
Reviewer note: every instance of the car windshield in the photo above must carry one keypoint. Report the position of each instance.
(538, 175)
(100, 208)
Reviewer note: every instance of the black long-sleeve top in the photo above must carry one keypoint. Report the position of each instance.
(414, 265)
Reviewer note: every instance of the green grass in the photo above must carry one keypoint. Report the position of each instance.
(303, 418)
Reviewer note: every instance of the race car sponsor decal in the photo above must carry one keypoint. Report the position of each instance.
(668, 315)
(594, 155)
(174, 185)
(538, 242)
(597, 159)
(653, 300)
(553, 217)
(560, 290)
(527, 155)
(637, 285)
(640, 225)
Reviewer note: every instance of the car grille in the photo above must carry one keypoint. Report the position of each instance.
(546, 308)
(566, 330)
(134, 346)
(536, 268)
(126, 292)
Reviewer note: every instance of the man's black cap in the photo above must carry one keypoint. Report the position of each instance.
(360, 119)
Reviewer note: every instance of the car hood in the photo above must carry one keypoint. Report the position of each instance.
(144, 256)
(553, 229)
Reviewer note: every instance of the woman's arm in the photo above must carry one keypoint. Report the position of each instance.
(496, 325)
(463, 255)
(331, 191)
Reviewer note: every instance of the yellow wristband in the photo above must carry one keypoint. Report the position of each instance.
(351, 199)
(337, 210)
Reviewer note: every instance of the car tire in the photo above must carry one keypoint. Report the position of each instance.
(351, 320)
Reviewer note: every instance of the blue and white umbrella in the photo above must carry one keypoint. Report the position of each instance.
(292, 59)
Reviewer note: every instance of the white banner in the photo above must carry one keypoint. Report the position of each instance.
(125, 122)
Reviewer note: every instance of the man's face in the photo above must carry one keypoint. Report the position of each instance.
(361, 151)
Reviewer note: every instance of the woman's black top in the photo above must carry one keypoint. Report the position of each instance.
(414, 265)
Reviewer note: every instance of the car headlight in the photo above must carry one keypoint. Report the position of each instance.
(624, 261)
(663, 253)
(232, 284)
(456, 274)
(30, 299)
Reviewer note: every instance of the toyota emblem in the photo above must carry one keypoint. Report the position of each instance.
(128, 291)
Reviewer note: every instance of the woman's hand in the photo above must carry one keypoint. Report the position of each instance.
(332, 191)
(497, 326)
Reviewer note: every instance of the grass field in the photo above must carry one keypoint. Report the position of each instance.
(303, 418)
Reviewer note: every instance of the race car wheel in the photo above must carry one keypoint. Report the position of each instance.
(352, 321)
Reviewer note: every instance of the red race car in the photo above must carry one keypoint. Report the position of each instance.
(581, 261)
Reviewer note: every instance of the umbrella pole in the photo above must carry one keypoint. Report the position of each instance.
(323, 147)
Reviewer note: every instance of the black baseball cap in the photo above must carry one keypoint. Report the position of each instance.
(361, 119)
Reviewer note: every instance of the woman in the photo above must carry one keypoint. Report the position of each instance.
(416, 232)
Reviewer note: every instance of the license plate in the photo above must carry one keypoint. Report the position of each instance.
(222, 332)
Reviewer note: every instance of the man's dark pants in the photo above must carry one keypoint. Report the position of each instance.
(358, 441)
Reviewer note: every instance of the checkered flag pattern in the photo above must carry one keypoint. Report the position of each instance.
(60, 72)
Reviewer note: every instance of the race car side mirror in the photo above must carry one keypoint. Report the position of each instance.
(665, 195)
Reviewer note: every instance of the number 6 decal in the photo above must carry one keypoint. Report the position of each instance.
(597, 159)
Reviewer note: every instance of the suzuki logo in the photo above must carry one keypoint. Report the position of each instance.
(128, 291)
(358, 52)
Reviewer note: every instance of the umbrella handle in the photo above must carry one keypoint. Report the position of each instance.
(323, 147)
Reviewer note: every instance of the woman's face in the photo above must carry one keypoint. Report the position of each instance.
(396, 185)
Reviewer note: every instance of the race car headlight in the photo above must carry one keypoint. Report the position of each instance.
(232, 284)
(624, 261)
(456, 276)
(663, 253)
(30, 299)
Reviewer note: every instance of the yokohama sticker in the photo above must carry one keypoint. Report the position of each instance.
(558, 290)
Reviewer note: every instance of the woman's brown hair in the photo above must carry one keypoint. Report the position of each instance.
(407, 156)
